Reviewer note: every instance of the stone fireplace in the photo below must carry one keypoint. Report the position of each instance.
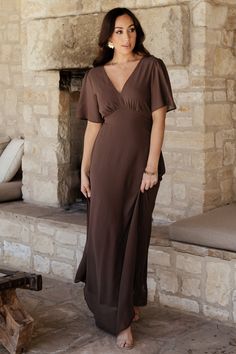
(47, 49)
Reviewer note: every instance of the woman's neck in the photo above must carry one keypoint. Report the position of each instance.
(121, 59)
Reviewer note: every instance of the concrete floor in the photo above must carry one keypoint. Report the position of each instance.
(63, 324)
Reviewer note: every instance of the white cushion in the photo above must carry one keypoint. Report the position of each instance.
(4, 140)
(10, 160)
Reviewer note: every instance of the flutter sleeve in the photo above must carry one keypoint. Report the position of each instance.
(88, 104)
(161, 92)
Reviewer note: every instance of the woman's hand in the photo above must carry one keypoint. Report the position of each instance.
(149, 180)
(85, 185)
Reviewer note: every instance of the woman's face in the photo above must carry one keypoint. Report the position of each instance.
(124, 35)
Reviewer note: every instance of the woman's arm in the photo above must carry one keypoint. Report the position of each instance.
(150, 178)
(90, 135)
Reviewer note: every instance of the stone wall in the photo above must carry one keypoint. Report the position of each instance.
(11, 87)
(200, 140)
(220, 99)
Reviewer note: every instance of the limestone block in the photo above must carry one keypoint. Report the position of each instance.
(217, 114)
(227, 38)
(189, 263)
(179, 191)
(193, 97)
(107, 5)
(192, 249)
(167, 280)
(225, 2)
(13, 32)
(216, 313)
(46, 228)
(55, 107)
(218, 286)
(192, 140)
(189, 177)
(40, 81)
(6, 53)
(43, 244)
(30, 165)
(234, 111)
(25, 234)
(215, 83)
(49, 38)
(10, 102)
(196, 195)
(49, 153)
(199, 35)
(151, 284)
(226, 187)
(167, 32)
(205, 14)
(198, 160)
(63, 252)
(40, 109)
(66, 237)
(198, 115)
(41, 264)
(27, 114)
(223, 135)
(231, 23)
(214, 160)
(45, 192)
(212, 198)
(63, 270)
(198, 59)
(9, 229)
(158, 257)
(57, 8)
(181, 159)
(229, 153)
(224, 62)
(184, 121)
(179, 303)
(191, 287)
(219, 96)
(48, 127)
(179, 78)
(16, 254)
(213, 36)
(164, 194)
(231, 90)
(36, 97)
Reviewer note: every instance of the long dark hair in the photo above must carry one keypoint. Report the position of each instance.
(105, 53)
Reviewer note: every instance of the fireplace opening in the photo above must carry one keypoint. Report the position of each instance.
(72, 130)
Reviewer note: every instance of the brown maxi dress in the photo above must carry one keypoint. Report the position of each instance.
(114, 262)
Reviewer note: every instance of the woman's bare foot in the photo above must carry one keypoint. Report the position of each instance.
(125, 339)
(137, 314)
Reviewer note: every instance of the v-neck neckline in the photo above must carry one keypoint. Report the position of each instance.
(128, 79)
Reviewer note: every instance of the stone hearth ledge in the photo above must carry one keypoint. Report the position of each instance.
(187, 277)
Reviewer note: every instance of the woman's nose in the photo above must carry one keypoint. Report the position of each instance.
(126, 35)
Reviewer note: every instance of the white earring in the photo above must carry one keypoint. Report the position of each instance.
(110, 45)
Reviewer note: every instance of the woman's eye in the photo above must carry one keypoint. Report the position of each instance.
(119, 32)
(132, 29)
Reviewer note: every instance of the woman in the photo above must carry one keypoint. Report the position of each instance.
(125, 98)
